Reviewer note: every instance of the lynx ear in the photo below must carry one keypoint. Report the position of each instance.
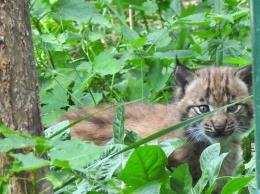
(245, 74)
(183, 76)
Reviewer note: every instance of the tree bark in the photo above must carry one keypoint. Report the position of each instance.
(19, 104)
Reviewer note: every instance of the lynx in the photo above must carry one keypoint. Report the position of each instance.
(196, 92)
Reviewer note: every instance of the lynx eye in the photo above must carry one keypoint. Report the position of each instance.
(234, 108)
(202, 109)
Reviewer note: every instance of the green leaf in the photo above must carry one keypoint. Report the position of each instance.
(210, 164)
(51, 117)
(145, 164)
(51, 42)
(236, 184)
(105, 64)
(160, 38)
(119, 125)
(29, 162)
(57, 178)
(78, 153)
(241, 13)
(176, 6)
(14, 141)
(149, 7)
(100, 20)
(55, 100)
(140, 41)
(107, 166)
(55, 128)
(136, 89)
(181, 180)
(129, 35)
(217, 6)
(64, 164)
(158, 78)
(150, 188)
(221, 50)
(4, 186)
(80, 10)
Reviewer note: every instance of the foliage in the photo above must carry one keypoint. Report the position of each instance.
(92, 52)
(82, 167)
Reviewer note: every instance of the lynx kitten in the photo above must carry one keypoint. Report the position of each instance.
(196, 92)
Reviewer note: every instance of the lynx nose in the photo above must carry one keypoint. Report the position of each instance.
(219, 127)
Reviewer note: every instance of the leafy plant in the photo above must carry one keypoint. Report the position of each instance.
(77, 166)
(92, 52)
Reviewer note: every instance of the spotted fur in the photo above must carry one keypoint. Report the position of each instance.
(205, 90)
(196, 92)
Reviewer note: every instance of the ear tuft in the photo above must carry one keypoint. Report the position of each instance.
(183, 76)
(245, 74)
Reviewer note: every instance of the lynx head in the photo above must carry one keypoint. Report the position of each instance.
(201, 91)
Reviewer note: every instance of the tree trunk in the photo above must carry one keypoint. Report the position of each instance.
(19, 104)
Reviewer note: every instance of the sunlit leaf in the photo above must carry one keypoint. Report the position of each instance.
(29, 162)
(146, 164)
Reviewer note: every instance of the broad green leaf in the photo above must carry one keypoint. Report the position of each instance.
(221, 50)
(210, 164)
(105, 64)
(149, 7)
(129, 35)
(159, 38)
(51, 117)
(57, 178)
(176, 6)
(145, 164)
(236, 184)
(78, 153)
(55, 100)
(64, 164)
(52, 42)
(84, 67)
(15, 141)
(80, 10)
(181, 180)
(60, 59)
(140, 41)
(65, 77)
(100, 20)
(149, 188)
(119, 125)
(136, 89)
(158, 78)
(28, 162)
